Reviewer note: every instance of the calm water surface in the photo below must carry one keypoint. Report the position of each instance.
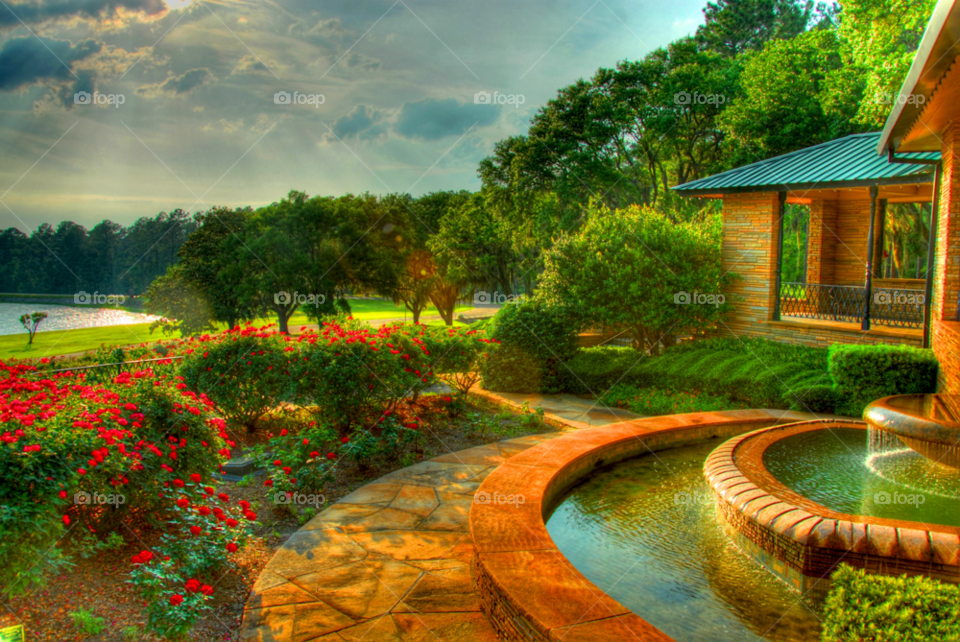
(645, 531)
(831, 467)
(61, 317)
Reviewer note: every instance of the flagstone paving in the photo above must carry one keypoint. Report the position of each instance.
(391, 560)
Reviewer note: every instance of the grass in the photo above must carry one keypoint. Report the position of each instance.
(60, 342)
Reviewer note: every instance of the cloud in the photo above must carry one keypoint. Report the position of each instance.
(33, 12)
(360, 120)
(249, 64)
(431, 119)
(323, 33)
(24, 61)
(178, 85)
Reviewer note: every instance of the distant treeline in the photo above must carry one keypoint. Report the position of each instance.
(110, 258)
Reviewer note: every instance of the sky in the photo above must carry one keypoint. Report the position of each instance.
(118, 109)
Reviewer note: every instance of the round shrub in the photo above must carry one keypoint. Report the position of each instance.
(535, 339)
(245, 372)
(866, 373)
(596, 370)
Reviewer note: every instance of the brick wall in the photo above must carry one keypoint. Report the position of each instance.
(946, 280)
(852, 228)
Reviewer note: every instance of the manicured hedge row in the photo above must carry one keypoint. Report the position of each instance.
(896, 609)
(865, 373)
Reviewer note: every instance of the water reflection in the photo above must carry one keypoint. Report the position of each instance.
(65, 318)
(646, 532)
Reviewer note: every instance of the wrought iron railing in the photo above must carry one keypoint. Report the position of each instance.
(105, 372)
(896, 307)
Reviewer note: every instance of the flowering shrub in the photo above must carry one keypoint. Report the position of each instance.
(299, 463)
(245, 372)
(177, 577)
(461, 353)
(74, 454)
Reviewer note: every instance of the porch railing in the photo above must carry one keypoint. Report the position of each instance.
(897, 307)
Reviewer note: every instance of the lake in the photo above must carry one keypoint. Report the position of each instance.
(60, 317)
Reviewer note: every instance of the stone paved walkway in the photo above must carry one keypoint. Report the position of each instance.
(390, 561)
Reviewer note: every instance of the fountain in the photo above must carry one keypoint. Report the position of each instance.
(927, 424)
(881, 494)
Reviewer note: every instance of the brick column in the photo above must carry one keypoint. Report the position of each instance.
(750, 236)
(822, 240)
(946, 277)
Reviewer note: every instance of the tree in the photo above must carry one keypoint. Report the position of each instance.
(639, 270)
(881, 38)
(205, 261)
(180, 305)
(795, 93)
(30, 323)
(310, 252)
(736, 26)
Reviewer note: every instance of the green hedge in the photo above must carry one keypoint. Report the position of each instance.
(895, 609)
(596, 370)
(755, 371)
(535, 339)
(863, 374)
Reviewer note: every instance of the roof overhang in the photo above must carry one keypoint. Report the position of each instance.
(929, 96)
(717, 192)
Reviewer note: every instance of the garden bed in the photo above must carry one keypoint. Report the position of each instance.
(98, 585)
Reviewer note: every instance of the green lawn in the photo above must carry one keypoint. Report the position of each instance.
(49, 344)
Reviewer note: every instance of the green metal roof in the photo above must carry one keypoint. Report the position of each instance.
(851, 161)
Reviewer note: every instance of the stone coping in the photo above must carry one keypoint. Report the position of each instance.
(810, 537)
(526, 587)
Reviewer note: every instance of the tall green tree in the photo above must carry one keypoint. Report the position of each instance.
(881, 37)
(733, 27)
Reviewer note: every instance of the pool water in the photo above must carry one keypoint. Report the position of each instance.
(646, 532)
(839, 469)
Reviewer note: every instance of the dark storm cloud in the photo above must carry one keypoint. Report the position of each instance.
(430, 119)
(33, 12)
(24, 61)
(361, 119)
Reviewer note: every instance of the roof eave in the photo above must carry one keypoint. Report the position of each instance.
(918, 178)
(935, 54)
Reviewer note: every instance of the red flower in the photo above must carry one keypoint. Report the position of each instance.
(192, 586)
(314, 454)
(251, 516)
(223, 497)
(178, 483)
(203, 510)
(183, 502)
(345, 440)
(331, 456)
(176, 600)
(63, 494)
(244, 504)
(206, 589)
(306, 442)
(278, 463)
(268, 483)
(195, 530)
(283, 433)
(195, 477)
(146, 556)
(66, 520)
(232, 547)
(136, 559)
